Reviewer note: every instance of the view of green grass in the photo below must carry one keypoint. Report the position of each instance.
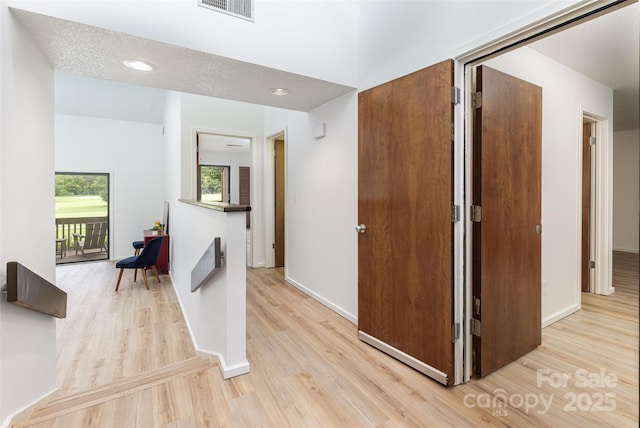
(80, 206)
(211, 197)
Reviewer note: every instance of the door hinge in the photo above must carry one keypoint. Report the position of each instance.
(476, 327)
(453, 132)
(592, 141)
(476, 99)
(455, 213)
(476, 305)
(273, 245)
(455, 95)
(475, 213)
(455, 332)
(592, 264)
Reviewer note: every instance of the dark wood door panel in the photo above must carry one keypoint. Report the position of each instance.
(405, 198)
(507, 248)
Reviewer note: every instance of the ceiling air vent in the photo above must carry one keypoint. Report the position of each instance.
(239, 8)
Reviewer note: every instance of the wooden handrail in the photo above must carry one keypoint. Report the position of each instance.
(28, 289)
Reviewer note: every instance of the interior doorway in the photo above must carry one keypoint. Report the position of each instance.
(279, 186)
(275, 200)
(223, 165)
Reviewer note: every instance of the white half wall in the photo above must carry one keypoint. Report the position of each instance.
(27, 232)
(132, 153)
(216, 312)
(565, 95)
(626, 148)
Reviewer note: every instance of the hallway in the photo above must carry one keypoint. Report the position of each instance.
(309, 369)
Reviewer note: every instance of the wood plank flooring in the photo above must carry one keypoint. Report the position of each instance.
(308, 369)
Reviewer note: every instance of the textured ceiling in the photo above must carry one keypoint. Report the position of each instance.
(98, 53)
(607, 50)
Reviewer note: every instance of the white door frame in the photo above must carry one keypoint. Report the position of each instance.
(537, 30)
(601, 206)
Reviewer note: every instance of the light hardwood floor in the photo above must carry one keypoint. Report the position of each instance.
(308, 369)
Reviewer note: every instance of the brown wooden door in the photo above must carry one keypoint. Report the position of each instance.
(280, 203)
(404, 200)
(244, 198)
(585, 266)
(506, 245)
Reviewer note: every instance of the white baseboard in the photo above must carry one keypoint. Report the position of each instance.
(335, 308)
(559, 315)
(24, 413)
(227, 371)
(189, 329)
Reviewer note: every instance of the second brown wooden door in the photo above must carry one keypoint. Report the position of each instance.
(507, 249)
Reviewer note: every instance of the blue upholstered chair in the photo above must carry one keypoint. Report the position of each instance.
(147, 259)
(137, 246)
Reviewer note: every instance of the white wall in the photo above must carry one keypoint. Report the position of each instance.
(397, 38)
(626, 147)
(564, 94)
(132, 153)
(216, 312)
(225, 117)
(321, 202)
(27, 232)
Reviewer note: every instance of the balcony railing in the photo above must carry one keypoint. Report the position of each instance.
(65, 241)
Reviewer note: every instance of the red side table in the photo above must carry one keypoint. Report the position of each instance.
(163, 259)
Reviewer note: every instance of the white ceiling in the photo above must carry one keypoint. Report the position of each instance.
(605, 49)
(88, 51)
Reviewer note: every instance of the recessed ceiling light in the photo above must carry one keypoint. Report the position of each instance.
(279, 91)
(137, 64)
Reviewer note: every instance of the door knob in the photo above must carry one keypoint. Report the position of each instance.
(361, 228)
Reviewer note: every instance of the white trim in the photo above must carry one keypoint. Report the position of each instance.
(407, 359)
(40, 402)
(227, 371)
(548, 20)
(340, 311)
(560, 314)
(603, 209)
(254, 215)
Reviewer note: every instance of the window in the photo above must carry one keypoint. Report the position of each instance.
(213, 183)
(82, 216)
